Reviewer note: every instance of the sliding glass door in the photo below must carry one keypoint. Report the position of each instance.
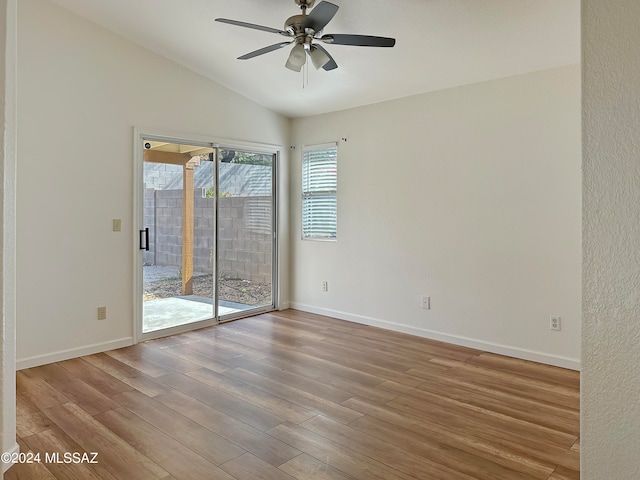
(245, 233)
(207, 237)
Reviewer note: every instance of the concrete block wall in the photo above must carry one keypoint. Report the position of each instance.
(167, 234)
(161, 176)
(245, 247)
(245, 238)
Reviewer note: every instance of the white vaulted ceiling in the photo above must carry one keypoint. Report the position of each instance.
(440, 44)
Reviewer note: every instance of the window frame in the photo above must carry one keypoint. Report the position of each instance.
(306, 193)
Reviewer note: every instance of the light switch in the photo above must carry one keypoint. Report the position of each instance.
(117, 225)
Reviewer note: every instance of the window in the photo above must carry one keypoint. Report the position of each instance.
(319, 192)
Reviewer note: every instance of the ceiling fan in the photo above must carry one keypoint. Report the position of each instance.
(305, 30)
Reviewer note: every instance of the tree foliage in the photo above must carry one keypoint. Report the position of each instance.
(246, 158)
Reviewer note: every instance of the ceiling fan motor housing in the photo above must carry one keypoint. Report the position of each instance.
(295, 25)
(304, 4)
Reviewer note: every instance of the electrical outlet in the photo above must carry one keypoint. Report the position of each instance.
(325, 286)
(102, 313)
(117, 225)
(555, 323)
(426, 302)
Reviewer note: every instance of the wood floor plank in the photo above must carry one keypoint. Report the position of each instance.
(92, 375)
(311, 321)
(305, 467)
(454, 458)
(576, 446)
(274, 319)
(219, 399)
(29, 418)
(293, 357)
(337, 456)
(76, 390)
(511, 397)
(421, 345)
(175, 458)
(376, 353)
(328, 373)
(187, 352)
(344, 356)
(427, 371)
(161, 357)
(35, 389)
(538, 371)
(126, 374)
(249, 467)
(118, 456)
(390, 454)
(416, 397)
(484, 420)
(56, 441)
(28, 471)
(279, 333)
(133, 357)
(261, 399)
(448, 434)
(528, 410)
(368, 341)
(251, 439)
(562, 473)
(294, 395)
(295, 380)
(531, 388)
(220, 347)
(201, 440)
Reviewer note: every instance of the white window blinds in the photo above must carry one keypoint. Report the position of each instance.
(319, 192)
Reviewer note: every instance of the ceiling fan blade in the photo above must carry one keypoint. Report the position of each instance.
(358, 40)
(252, 25)
(264, 50)
(320, 15)
(331, 64)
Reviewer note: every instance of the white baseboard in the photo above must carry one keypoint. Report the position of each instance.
(13, 450)
(61, 355)
(284, 305)
(540, 357)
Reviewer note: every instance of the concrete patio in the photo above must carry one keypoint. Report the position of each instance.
(170, 312)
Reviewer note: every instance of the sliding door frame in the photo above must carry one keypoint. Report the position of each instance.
(139, 136)
(274, 237)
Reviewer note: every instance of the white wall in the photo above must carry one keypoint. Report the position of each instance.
(469, 195)
(8, 227)
(81, 92)
(611, 240)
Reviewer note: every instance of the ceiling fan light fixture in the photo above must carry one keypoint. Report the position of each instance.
(318, 57)
(306, 28)
(297, 58)
(291, 66)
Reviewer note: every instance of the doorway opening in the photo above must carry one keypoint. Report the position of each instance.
(208, 236)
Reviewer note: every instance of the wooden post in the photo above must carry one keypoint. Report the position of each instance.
(187, 228)
(188, 162)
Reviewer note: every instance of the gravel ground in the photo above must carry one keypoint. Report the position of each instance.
(231, 290)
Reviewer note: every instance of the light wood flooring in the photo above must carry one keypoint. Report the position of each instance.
(291, 395)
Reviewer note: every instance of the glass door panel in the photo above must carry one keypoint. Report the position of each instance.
(245, 231)
(179, 221)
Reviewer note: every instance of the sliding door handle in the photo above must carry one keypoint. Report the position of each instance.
(145, 245)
